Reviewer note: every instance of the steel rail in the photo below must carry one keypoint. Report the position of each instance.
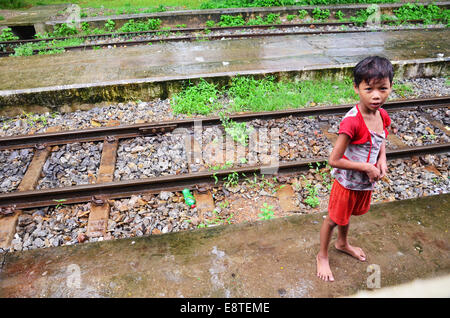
(205, 37)
(123, 189)
(131, 131)
(182, 30)
(187, 30)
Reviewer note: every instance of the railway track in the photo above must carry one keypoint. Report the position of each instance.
(106, 187)
(105, 190)
(189, 34)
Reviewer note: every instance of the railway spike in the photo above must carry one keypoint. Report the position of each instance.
(40, 146)
(97, 200)
(111, 139)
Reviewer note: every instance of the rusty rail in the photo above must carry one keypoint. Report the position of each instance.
(197, 37)
(122, 189)
(131, 131)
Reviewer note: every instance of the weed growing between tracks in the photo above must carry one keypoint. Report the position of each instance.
(250, 94)
(53, 47)
(7, 35)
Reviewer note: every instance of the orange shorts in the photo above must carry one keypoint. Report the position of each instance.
(344, 203)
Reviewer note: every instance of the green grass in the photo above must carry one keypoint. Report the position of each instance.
(55, 46)
(250, 94)
(196, 99)
(247, 94)
(216, 4)
(12, 4)
(128, 6)
(124, 5)
(2, 18)
(266, 94)
(402, 89)
(7, 35)
(428, 13)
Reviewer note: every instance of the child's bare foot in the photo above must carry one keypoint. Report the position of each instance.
(323, 269)
(354, 251)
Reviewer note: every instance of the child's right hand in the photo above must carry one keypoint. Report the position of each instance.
(373, 172)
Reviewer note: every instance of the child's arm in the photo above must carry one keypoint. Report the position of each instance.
(382, 162)
(336, 160)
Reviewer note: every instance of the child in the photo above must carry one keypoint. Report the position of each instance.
(358, 157)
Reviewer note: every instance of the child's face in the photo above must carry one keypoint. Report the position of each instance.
(374, 94)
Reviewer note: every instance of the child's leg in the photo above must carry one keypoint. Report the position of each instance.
(343, 245)
(323, 266)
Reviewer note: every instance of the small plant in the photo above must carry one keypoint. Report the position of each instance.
(362, 16)
(7, 35)
(63, 29)
(243, 160)
(224, 204)
(196, 99)
(210, 24)
(266, 212)
(436, 180)
(290, 17)
(312, 199)
(51, 51)
(110, 25)
(430, 137)
(320, 14)
(302, 14)
(132, 26)
(402, 89)
(230, 20)
(231, 180)
(216, 179)
(226, 165)
(59, 203)
(272, 18)
(217, 219)
(32, 120)
(238, 131)
(339, 15)
(23, 50)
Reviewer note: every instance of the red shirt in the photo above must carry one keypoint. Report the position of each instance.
(354, 126)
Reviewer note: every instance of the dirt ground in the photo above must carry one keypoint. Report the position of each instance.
(403, 240)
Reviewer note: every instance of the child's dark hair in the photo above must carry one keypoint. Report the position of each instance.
(373, 67)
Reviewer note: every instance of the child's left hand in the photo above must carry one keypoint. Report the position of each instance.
(382, 165)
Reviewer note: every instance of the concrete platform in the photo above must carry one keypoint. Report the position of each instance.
(192, 58)
(405, 240)
(36, 17)
(159, 69)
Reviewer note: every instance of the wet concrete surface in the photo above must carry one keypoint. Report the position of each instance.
(37, 14)
(276, 258)
(158, 61)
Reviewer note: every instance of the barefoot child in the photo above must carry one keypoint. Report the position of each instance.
(358, 158)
